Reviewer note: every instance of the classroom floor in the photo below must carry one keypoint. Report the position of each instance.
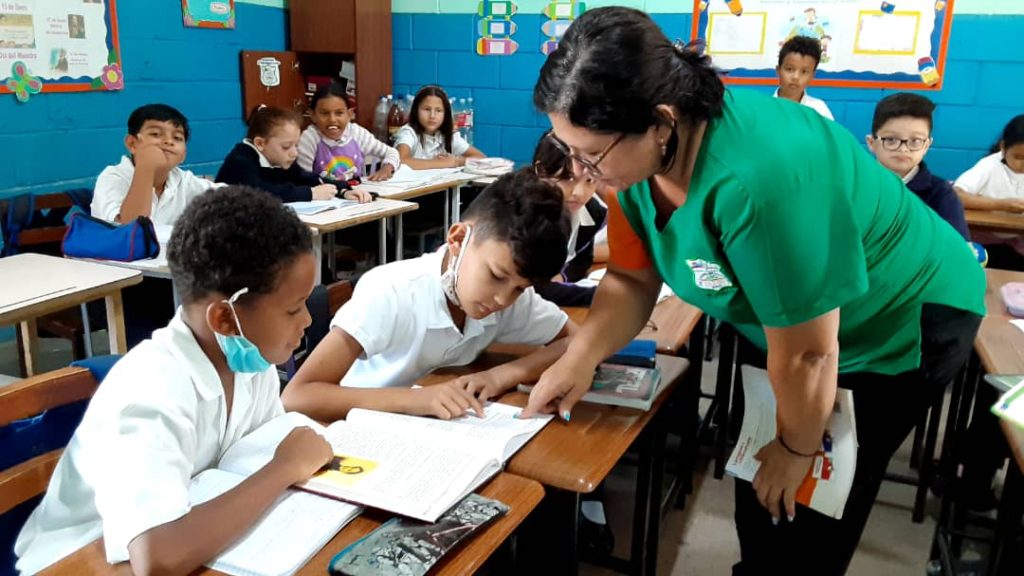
(701, 539)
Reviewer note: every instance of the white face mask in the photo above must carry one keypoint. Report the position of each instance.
(450, 277)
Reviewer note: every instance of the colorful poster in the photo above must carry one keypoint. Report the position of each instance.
(208, 13)
(58, 46)
(495, 28)
(864, 43)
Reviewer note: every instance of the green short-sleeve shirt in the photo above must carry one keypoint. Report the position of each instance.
(788, 217)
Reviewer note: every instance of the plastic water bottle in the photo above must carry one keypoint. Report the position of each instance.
(394, 120)
(460, 117)
(470, 121)
(380, 119)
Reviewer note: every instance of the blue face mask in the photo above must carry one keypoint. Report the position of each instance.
(242, 355)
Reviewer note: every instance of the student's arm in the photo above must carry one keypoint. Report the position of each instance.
(493, 382)
(405, 153)
(181, 546)
(948, 206)
(150, 160)
(474, 152)
(316, 392)
(244, 168)
(976, 202)
(600, 253)
(390, 160)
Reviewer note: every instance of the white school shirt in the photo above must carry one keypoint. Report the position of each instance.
(429, 146)
(399, 315)
(112, 188)
(811, 102)
(991, 178)
(157, 421)
(368, 143)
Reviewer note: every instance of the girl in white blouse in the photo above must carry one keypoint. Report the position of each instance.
(430, 140)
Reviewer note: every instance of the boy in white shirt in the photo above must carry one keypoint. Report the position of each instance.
(408, 318)
(174, 404)
(798, 61)
(149, 182)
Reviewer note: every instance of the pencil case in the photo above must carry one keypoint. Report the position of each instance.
(89, 237)
(1013, 297)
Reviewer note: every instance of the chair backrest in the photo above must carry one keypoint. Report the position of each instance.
(29, 398)
(38, 221)
(337, 294)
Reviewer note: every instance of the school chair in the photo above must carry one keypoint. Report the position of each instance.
(37, 224)
(322, 304)
(38, 415)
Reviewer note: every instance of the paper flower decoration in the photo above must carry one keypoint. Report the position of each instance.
(22, 82)
(112, 77)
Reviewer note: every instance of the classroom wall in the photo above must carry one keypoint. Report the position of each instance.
(60, 141)
(434, 42)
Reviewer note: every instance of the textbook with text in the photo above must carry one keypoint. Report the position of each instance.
(617, 385)
(413, 466)
(830, 478)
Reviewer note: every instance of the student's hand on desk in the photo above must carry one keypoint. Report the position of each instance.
(779, 477)
(324, 191)
(361, 196)
(1012, 205)
(559, 389)
(453, 161)
(385, 173)
(482, 385)
(302, 453)
(444, 401)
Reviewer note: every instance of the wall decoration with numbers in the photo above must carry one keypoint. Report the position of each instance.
(58, 46)
(560, 15)
(495, 28)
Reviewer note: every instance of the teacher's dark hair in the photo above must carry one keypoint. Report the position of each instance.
(614, 66)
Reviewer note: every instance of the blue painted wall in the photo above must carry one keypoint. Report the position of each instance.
(983, 87)
(59, 141)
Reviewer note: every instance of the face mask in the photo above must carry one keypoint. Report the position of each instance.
(241, 354)
(450, 277)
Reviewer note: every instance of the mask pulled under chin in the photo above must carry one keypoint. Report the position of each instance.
(450, 277)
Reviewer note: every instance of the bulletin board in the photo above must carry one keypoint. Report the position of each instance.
(898, 44)
(59, 46)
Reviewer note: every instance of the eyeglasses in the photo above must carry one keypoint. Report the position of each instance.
(913, 144)
(588, 165)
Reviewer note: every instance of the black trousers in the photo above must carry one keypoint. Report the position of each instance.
(886, 408)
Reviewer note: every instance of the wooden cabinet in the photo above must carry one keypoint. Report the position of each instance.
(273, 79)
(325, 32)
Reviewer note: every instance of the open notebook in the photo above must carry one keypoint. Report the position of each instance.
(408, 465)
(284, 539)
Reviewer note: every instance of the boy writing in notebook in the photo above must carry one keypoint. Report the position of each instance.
(175, 403)
(410, 317)
(148, 182)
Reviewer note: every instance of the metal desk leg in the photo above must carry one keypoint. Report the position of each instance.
(29, 345)
(447, 211)
(332, 262)
(457, 203)
(643, 555)
(382, 242)
(1011, 509)
(177, 296)
(399, 238)
(318, 256)
(86, 330)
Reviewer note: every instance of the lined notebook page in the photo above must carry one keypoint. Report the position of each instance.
(295, 528)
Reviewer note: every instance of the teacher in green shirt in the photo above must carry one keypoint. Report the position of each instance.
(769, 217)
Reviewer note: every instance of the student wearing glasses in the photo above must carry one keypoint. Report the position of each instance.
(901, 133)
(769, 217)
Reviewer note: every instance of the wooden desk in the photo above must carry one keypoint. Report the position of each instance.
(325, 223)
(1000, 349)
(35, 285)
(521, 495)
(671, 324)
(450, 185)
(987, 221)
(575, 457)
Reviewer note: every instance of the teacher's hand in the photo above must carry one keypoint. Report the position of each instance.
(560, 387)
(779, 477)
